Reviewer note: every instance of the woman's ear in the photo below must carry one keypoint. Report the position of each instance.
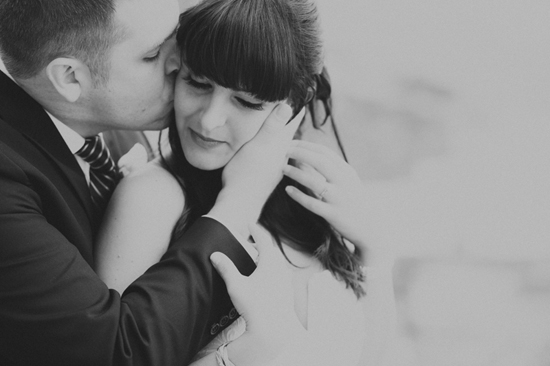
(69, 76)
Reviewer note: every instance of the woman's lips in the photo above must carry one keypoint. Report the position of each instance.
(204, 141)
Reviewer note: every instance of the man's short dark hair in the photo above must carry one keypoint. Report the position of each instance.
(35, 32)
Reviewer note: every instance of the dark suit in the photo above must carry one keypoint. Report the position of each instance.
(53, 307)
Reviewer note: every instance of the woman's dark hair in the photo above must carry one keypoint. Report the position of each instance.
(272, 50)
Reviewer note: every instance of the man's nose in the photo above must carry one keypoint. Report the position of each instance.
(173, 61)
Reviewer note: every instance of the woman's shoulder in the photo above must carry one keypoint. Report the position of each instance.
(152, 182)
(149, 175)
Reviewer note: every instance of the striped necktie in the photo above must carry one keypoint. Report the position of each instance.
(103, 172)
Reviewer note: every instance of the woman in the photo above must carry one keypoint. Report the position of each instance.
(239, 60)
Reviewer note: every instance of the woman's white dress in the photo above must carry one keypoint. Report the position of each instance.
(335, 327)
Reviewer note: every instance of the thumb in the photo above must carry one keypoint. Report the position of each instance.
(277, 119)
(269, 255)
(226, 268)
(293, 125)
(262, 238)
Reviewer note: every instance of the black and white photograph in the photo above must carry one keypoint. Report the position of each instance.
(274, 183)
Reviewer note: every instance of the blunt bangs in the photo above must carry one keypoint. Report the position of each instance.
(243, 45)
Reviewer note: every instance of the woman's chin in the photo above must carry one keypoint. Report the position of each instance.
(205, 164)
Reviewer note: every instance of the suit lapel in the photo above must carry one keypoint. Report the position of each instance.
(28, 117)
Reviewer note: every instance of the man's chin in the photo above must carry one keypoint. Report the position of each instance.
(166, 120)
(160, 124)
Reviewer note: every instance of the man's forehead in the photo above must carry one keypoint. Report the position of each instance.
(148, 21)
(186, 4)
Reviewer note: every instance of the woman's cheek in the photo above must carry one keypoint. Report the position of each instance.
(244, 129)
(189, 103)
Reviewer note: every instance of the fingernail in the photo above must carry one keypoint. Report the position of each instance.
(215, 257)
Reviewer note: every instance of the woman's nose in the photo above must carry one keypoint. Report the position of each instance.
(213, 114)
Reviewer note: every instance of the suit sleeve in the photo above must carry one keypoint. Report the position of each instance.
(55, 310)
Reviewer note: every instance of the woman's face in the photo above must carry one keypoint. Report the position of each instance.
(214, 122)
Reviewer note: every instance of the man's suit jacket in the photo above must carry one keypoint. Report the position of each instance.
(53, 307)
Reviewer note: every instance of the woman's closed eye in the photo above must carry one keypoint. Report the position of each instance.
(249, 105)
(196, 84)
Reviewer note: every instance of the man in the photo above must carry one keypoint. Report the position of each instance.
(77, 68)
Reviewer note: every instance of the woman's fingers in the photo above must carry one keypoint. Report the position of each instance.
(321, 158)
(310, 203)
(313, 159)
(308, 178)
(318, 148)
(339, 194)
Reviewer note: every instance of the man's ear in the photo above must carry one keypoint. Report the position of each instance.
(69, 76)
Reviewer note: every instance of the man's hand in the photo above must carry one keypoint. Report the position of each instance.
(255, 170)
(265, 300)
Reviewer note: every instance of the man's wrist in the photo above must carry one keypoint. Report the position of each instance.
(233, 210)
(243, 240)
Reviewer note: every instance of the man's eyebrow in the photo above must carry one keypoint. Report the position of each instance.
(166, 39)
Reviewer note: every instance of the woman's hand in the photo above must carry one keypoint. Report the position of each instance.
(341, 198)
(254, 171)
(340, 195)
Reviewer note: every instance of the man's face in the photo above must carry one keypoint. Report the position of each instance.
(139, 93)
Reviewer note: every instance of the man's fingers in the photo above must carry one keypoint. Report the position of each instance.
(263, 240)
(270, 258)
(226, 268)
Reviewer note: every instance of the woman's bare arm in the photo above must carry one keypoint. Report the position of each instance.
(137, 225)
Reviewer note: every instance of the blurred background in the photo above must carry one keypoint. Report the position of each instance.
(444, 107)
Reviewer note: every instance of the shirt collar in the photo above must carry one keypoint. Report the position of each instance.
(4, 70)
(73, 140)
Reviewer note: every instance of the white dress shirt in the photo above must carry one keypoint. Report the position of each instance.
(74, 141)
